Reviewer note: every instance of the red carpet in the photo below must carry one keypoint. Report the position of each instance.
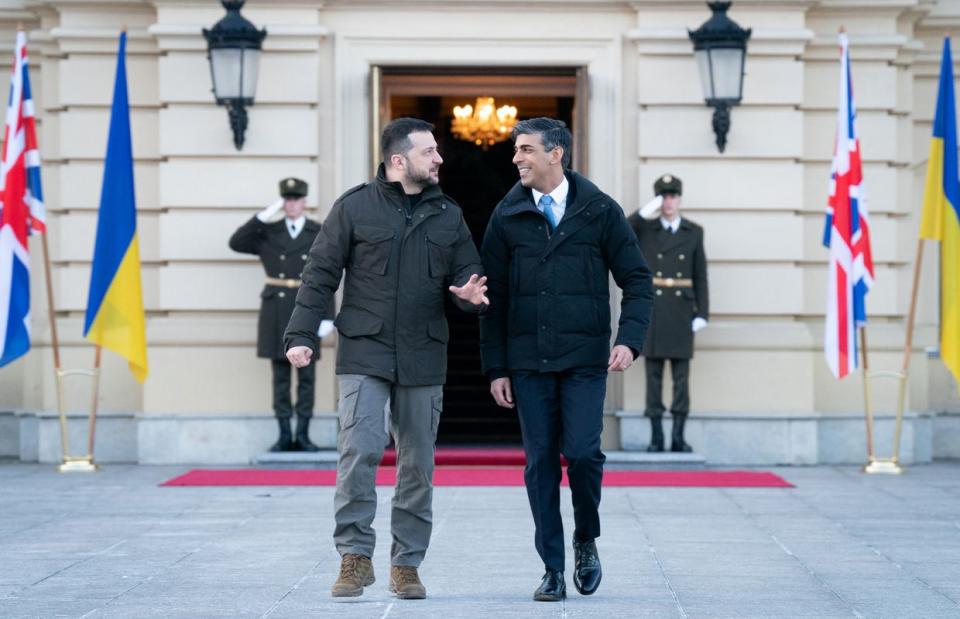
(450, 476)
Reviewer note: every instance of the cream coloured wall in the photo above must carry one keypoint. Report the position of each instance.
(761, 202)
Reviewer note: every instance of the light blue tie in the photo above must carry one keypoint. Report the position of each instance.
(546, 203)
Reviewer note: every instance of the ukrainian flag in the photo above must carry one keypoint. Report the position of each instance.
(115, 318)
(940, 220)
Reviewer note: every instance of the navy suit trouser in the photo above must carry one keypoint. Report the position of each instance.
(562, 412)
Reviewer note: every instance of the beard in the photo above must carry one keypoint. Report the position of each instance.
(420, 178)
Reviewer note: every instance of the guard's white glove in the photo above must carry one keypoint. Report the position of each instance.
(271, 211)
(698, 323)
(651, 210)
(326, 328)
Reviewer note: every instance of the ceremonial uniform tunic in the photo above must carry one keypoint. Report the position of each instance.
(673, 258)
(283, 258)
(679, 267)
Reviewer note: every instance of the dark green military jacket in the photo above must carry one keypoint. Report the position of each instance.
(672, 257)
(283, 257)
(397, 266)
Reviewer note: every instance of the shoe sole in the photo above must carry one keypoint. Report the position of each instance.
(407, 595)
(549, 598)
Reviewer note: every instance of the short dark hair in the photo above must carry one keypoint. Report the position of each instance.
(395, 138)
(553, 133)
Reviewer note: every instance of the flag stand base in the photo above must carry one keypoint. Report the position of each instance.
(81, 464)
(875, 465)
(78, 464)
(883, 467)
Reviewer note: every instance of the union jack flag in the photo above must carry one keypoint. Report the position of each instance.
(847, 234)
(21, 209)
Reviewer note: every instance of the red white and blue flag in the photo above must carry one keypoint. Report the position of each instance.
(21, 210)
(847, 234)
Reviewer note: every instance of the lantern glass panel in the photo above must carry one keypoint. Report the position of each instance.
(727, 73)
(226, 63)
(703, 64)
(251, 68)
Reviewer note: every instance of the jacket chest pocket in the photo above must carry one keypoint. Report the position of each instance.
(439, 251)
(372, 248)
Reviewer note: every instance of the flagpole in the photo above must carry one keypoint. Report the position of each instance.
(91, 433)
(907, 347)
(912, 314)
(868, 404)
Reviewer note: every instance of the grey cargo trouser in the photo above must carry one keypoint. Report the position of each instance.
(415, 415)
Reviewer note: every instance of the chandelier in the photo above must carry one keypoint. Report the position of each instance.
(484, 125)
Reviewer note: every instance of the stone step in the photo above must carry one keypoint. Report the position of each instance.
(616, 460)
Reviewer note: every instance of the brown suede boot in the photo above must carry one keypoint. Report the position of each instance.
(405, 583)
(356, 572)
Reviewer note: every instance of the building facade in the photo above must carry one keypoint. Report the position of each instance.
(761, 391)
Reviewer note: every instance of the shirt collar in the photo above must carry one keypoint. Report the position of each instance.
(296, 223)
(559, 194)
(672, 226)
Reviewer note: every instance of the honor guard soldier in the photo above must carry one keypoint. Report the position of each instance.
(282, 246)
(673, 247)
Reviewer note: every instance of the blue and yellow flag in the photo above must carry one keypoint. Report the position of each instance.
(940, 220)
(115, 318)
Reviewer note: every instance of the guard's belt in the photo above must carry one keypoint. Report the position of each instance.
(283, 283)
(669, 282)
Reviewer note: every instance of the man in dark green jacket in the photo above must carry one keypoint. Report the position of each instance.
(402, 244)
(549, 249)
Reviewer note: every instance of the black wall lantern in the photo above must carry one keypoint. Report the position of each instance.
(720, 47)
(233, 49)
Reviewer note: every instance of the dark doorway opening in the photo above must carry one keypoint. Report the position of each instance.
(477, 178)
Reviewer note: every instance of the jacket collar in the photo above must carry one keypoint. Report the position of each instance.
(395, 188)
(520, 199)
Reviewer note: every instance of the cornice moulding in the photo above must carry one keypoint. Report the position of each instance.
(759, 34)
(764, 42)
(183, 37)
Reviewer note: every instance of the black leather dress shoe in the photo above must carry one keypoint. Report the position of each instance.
(586, 567)
(552, 588)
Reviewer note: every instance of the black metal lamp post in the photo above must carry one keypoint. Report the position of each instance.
(720, 47)
(233, 49)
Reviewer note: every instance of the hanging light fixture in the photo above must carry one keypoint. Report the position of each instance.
(484, 124)
(720, 47)
(233, 49)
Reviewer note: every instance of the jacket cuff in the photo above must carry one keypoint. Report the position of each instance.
(493, 375)
(310, 343)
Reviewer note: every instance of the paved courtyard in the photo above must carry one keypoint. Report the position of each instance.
(840, 544)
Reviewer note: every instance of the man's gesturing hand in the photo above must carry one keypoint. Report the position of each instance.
(299, 356)
(621, 357)
(502, 392)
(473, 291)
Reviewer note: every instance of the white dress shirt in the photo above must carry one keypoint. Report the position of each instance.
(672, 226)
(295, 226)
(559, 196)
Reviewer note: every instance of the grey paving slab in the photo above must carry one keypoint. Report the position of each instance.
(839, 544)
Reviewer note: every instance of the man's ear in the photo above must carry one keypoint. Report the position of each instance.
(556, 155)
(396, 160)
